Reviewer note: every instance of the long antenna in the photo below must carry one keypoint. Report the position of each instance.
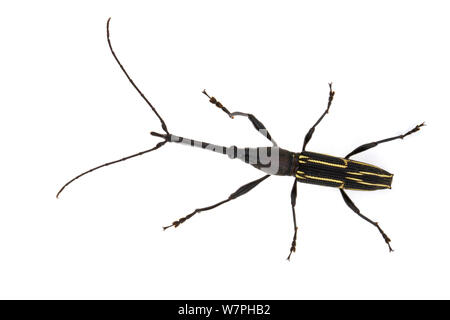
(159, 145)
(163, 124)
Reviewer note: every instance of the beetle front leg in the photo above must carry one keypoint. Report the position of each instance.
(239, 192)
(259, 126)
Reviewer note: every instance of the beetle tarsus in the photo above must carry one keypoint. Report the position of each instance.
(217, 104)
(385, 237)
(293, 245)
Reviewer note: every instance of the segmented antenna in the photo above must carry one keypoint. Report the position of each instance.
(163, 124)
(159, 145)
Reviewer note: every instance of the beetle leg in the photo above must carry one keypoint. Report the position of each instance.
(239, 192)
(313, 128)
(368, 146)
(355, 209)
(256, 123)
(293, 202)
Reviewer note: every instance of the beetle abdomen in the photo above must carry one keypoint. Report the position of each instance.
(325, 170)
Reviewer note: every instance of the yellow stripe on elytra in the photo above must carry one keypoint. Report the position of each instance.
(324, 179)
(375, 184)
(377, 174)
(356, 179)
(300, 161)
(300, 177)
(355, 173)
(330, 164)
(365, 164)
(303, 157)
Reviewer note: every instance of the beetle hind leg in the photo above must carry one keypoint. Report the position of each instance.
(370, 145)
(355, 209)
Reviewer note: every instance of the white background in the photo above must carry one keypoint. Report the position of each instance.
(66, 107)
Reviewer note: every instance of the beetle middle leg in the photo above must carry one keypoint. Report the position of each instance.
(355, 209)
(259, 126)
(239, 192)
(310, 133)
(293, 202)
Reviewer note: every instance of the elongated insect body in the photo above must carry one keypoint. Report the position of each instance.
(305, 167)
(325, 170)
